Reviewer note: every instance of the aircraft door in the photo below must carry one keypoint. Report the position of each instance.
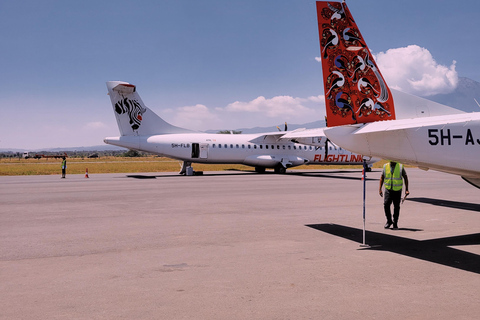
(204, 150)
(195, 150)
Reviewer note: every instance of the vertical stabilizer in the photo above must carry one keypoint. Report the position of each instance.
(133, 117)
(355, 91)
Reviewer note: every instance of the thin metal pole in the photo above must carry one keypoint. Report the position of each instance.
(364, 178)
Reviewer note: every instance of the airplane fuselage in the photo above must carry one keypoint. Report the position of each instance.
(449, 143)
(249, 149)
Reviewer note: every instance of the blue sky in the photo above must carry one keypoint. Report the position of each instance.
(203, 64)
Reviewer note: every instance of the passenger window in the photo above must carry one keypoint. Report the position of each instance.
(243, 146)
(278, 147)
(283, 147)
(225, 145)
(237, 146)
(254, 146)
(289, 147)
(261, 147)
(266, 147)
(249, 146)
(294, 147)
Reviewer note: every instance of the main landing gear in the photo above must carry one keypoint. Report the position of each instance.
(280, 169)
(185, 166)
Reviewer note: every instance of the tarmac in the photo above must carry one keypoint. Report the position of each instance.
(237, 245)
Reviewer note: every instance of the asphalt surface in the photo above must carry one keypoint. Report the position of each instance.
(236, 245)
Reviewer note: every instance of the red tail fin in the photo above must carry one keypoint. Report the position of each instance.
(355, 91)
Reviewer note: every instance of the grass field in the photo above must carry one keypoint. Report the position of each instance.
(15, 166)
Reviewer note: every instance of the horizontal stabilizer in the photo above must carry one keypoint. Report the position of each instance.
(125, 88)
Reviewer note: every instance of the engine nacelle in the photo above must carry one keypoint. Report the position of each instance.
(271, 161)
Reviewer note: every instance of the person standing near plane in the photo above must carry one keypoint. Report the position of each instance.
(392, 176)
(64, 167)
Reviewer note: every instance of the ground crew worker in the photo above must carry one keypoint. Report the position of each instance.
(392, 176)
(64, 167)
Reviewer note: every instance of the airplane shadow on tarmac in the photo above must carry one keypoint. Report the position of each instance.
(236, 172)
(144, 176)
(446, 203)
(433, 250)
(332, 174)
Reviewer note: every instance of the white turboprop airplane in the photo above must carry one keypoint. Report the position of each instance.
(417, 131)
(142, 129)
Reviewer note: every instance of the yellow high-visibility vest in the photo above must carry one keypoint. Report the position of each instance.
(393, 181)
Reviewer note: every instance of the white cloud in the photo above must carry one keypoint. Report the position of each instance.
(194, 117)
(317, 99)
(260, 111)
(413, 70)
(95, 125)
(279, 106)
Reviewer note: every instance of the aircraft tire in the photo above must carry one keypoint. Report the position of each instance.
(260, 169)
(280, 169)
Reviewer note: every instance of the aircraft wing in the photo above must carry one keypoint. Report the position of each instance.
(314, 137)
(413, 123)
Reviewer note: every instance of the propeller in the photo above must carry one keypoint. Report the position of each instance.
(284, 129)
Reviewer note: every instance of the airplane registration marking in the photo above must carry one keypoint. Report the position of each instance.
(180, 145)
(444, 137)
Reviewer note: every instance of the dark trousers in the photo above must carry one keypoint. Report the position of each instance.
(64, 171)
(395, 197)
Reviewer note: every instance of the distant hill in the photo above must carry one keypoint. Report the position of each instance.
(463, 96)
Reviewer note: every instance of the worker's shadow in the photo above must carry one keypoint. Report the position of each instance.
(434, 250)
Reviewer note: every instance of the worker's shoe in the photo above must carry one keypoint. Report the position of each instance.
(388, 224)
(395, 226)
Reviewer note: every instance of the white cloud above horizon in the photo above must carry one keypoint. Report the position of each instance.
(260, 111)
(95, 125)
(413, 69)
(194, 117)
